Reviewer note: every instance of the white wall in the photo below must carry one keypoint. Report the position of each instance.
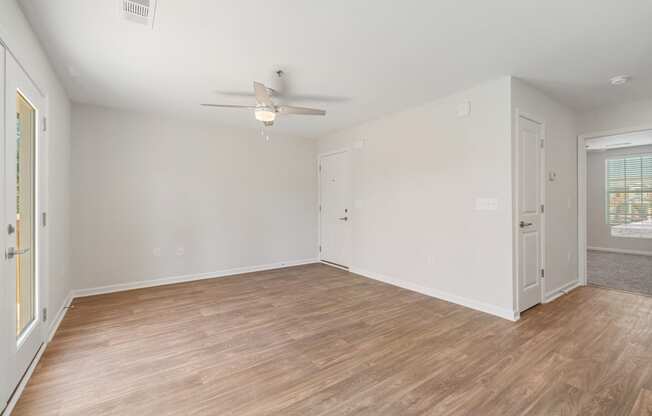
(227, 197)
(598, 231)
(415, 183)
(631, 115)
(561, 194)
(17, 34)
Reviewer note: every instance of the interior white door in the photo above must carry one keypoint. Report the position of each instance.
(335, 208)
(23, 255)
(530, 145)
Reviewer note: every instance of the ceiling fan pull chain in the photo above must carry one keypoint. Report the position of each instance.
(264, 134)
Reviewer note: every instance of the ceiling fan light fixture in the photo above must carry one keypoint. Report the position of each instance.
(265, 110)
(265, 114)
(620, 80)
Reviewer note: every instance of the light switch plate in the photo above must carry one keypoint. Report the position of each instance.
(464, 109)
(486, 204)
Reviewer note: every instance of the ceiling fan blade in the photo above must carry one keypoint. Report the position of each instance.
(288, 109)
(262, 95)
(272, 92)
(229, 106)
(315, 98)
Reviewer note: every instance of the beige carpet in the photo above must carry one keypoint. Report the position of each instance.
(627, 272)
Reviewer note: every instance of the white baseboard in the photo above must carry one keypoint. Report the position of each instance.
(620, 250)
(337, 266)
(469, 303)
(562, 290)
(187, 278)
(54, 325)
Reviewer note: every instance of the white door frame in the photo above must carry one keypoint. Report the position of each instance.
(543, 181)
(320, 156)
(582, 208)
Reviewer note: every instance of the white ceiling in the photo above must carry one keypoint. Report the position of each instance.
(381, 55)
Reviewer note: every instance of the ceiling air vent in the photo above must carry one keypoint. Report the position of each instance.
(139, 11)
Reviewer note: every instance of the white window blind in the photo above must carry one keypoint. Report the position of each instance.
(629, 190)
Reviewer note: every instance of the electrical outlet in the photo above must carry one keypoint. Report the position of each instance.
(156, 252)
(180, 251)
(486, 204)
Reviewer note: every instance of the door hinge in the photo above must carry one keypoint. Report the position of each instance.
(44, 218)
(319, 208)
(542, 208)
(543, 273)
(320, 168)
(45, 124)
(320, 249)
(45, 314)
(542, 143)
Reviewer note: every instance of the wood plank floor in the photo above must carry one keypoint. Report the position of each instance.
(314, 340)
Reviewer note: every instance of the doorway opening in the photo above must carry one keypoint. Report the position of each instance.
(617, 208)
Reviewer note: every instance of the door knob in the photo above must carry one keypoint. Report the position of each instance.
(12, 252)
(524, 224)
(344, 218)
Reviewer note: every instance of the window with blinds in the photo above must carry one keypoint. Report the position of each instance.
(629, 190)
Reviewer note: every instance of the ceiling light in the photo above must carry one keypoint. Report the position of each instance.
(620, 80)
(265, 114)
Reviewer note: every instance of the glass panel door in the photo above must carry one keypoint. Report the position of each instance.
(25, 276)
(24, 260)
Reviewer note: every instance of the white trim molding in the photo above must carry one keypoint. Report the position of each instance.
(188, 278)
(563, 290)
(54, 325)
(621, 251)
(337, 266)
(504, 313)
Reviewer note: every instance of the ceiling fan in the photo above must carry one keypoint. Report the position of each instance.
(266, 111)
